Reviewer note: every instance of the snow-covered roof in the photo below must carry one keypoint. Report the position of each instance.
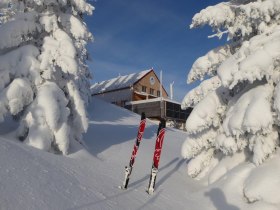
(119, 82)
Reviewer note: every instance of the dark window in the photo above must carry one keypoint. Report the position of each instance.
(169, 106)
(152, 91)
(158, 93)
(177, 107)
(144, 89)
(174, 111)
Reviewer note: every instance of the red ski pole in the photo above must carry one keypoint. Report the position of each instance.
(128, 169)
(156, 157)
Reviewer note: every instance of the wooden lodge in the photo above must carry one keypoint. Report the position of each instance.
(132, 87)
(141, 92)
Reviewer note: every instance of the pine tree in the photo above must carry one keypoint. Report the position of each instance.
(44, 79)
(237, 104)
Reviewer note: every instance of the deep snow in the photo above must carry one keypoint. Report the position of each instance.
(89, 179)
(34, 179)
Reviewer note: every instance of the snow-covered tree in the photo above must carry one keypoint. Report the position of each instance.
(44, 79)
(237, 105)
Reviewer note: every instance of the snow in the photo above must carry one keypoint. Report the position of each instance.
(18, 94)
(267, 183)
(198, 164)
(4, 3)
(49, 112)
(19, 63)
(239, 17)
(196, 143)
(276, 104)
(88, 177)
(49, 22)
(15, 97)
(225, 166)
(83, 6)
(245, 115)
(232, 139)
(74, 26)
(58, 50)
(118, 82)
(14, 32)
(223, 15)
(236, 107)
(43, 54)
(80, 120)
(195, 95)
(122, 95)
(207, 64)
(256, 59)
(205, 113)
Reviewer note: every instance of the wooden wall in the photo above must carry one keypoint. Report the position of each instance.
(151, 109)
(145, 81)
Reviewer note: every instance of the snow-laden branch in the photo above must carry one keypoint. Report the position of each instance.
(195, 143)
(194, 96)
(48, 113)
(206, 113)
(255, 59)
(240, 20)
(263, 145)
(216, 16)
(219, 34)
(75, 27)
(208, 64)
(251, 112)
(15, 97)
(21, 62)
(14, 32)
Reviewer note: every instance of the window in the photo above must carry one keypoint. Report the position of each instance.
(158, 93)
(144, 89)
(152, 91)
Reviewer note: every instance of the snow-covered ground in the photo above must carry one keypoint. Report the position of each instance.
(34, 179)
(89, 179)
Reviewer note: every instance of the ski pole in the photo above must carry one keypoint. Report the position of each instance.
(156, 157)
(128, 169)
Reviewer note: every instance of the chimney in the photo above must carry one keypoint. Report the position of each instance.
(160, 83)
(171, 90)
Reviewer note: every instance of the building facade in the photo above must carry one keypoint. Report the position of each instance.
(142, 92)
(133, 87)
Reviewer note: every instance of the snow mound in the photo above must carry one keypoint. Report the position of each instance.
(262, 185)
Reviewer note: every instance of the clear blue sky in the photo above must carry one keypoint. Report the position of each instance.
(134, 35)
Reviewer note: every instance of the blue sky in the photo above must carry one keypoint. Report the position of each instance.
(133, 35)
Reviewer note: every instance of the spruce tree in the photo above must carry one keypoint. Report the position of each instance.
(44, 79)
(237, 104)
